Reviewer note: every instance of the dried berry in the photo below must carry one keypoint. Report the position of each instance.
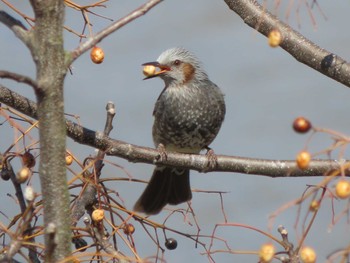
(23, 175)
(171, 243)
(29, 193)
(97, 55)
(149, 70)
(98, 215)
(342, 189)
(308, 255)
(266, 252)
(301, 125)
(129, 229)
(303, 160)
(314, 205)
(28, 159)
(69, 159)
(5, 174)
(79, 243)
(275, 38)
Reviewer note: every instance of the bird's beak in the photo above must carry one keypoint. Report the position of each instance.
(150, 71)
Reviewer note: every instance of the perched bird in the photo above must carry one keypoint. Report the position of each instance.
(187, 117)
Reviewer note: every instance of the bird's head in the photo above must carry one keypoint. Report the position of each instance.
(177, 66)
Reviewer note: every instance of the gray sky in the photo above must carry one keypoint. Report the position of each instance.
(265, 90)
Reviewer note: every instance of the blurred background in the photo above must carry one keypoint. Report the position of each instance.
(265, 90)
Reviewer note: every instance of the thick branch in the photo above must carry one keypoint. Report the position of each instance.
(110, 29)
(302, 49)
(133, 153)
(15, 25)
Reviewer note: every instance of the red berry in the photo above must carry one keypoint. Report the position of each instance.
(28, 159)
(301, 125)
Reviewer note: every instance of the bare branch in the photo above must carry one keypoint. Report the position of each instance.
(110, 29)
(134, 153)
(89, 194)
(302, 49)
(101, 239)
(15, 25)
(12, 99)
(19, 78)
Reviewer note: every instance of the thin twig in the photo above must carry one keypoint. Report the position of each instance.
(110, 29)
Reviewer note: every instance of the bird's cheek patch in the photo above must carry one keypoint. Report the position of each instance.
(188, 71)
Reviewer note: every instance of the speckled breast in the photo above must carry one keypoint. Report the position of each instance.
(188, 119)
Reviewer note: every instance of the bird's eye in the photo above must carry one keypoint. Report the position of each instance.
(177, 62)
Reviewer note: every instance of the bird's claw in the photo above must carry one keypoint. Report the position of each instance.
(212, 158)
(162, 155)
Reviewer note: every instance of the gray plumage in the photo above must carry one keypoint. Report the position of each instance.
(187, 117)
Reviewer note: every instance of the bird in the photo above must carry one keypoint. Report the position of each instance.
(188, 115)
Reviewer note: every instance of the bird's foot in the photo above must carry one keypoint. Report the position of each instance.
(212, 158)
(162, 155)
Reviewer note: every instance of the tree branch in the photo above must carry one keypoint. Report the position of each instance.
(87, 197)
(18, 77)
(134, 153)
(302, 49)
(110, 29)
(15, 25)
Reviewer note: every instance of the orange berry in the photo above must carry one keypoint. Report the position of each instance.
(303, 159)
(129, 229)
(275, 38)
(28, 159)
(23, 174)
(97, 55)
(342, 189)
(69, 159)
(301, 125)
(314, 206)
(308, 255)
(98, 215)
(266, 252)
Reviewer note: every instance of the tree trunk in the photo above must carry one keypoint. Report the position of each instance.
(49, 56)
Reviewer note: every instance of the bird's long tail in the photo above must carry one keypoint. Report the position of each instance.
(168, 185)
